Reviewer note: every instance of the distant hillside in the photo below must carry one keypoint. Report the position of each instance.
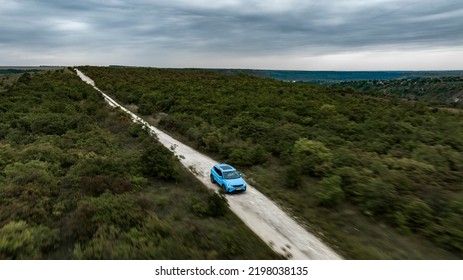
(443, 87)
(9, 71)
(333, 77)
(447, 90)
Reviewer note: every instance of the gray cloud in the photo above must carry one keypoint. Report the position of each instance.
(156, 32)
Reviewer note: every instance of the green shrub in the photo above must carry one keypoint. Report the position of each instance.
(293, 175)
(313, 156)
(378, 198)
(213, 141)
(138, 130)
(18, 240)
(199, 208)
(244, 155)
(33, 171)
(215, 206)
(158, 161)
(99, 184)
(331, 193)
(108, 209)
(417, 214)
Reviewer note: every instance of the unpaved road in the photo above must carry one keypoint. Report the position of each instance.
(258, 212)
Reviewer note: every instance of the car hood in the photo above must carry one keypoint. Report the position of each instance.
(238, 181)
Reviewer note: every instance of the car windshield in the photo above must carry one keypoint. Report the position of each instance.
(231, 175)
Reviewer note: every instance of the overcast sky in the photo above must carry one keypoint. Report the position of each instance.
(267, 34)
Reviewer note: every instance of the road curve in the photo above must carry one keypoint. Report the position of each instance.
(259, 213)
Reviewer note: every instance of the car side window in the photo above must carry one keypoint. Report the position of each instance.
(218, 171)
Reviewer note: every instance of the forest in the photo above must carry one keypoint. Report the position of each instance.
(437, 91)
(79, 180)
(376, 178)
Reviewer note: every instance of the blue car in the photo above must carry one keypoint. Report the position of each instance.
(228, 178)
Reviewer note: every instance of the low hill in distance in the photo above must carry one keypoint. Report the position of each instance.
(446, 91)
(332, 77)
(7, 70)
(439, 87)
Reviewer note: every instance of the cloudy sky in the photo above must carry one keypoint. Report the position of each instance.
(264, 34)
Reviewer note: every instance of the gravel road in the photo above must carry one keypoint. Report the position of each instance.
(259, 213)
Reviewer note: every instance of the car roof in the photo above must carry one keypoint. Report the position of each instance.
(225, 167)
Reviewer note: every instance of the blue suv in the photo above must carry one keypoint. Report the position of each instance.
(228, 178)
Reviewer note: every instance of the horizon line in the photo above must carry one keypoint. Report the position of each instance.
(224, 68)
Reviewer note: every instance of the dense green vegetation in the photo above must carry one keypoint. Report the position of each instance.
(438, 90)
(80, 180)
(7, 80)
(375, 177)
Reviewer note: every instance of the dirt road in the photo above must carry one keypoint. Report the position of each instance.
(258, 212)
